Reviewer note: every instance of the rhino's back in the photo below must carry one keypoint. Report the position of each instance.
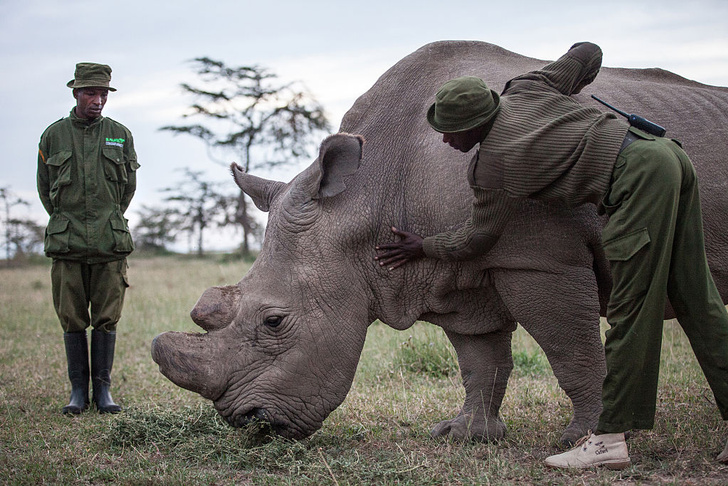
(404, 92)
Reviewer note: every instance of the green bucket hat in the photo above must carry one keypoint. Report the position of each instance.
(91, 75)
(462, 104)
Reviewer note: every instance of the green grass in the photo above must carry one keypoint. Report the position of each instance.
(406, 382)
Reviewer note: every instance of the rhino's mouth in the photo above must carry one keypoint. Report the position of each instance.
(259, 416)
(255, 415)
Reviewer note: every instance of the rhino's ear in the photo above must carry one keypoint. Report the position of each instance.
(261, 191)
(339, 156)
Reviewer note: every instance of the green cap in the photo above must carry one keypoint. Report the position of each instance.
(91, 75)
(462, 104)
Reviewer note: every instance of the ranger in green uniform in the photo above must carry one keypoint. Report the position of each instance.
(86, 180)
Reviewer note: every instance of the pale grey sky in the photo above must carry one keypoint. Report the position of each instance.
(337, 49)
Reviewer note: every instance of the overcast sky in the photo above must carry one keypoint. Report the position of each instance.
(336, 48)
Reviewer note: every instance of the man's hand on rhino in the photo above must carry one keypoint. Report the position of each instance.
(394, 255)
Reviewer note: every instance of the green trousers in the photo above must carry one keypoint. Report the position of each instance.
(88, 294)
(654, 242)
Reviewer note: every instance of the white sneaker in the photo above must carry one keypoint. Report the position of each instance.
(608, 450)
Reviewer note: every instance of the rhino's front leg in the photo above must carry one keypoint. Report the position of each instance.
(485, 365)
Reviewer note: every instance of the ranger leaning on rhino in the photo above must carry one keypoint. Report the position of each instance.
(283, 344)
(539, 143)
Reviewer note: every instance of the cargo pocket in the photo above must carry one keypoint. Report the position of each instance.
(115, 166)
(59, 174)
(122, 237)
(57, 236)
(627, 255)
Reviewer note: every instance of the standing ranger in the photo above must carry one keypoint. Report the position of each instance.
(86, 179)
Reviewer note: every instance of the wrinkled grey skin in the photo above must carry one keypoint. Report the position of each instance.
(283, 344)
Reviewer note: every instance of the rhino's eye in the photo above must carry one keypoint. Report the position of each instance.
(273, 321)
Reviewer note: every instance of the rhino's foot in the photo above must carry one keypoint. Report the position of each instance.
(575, 431)
(463, 427)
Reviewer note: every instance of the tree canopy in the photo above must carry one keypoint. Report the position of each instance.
(245, 112)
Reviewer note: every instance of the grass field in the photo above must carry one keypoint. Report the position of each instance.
(406, 382)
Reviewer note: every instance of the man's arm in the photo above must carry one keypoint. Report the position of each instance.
(133, 165)
(491, 212)
(43, 183)
(465, 243)
(462, 244)
(571, 72)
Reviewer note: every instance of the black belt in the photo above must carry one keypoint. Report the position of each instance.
(628, 139)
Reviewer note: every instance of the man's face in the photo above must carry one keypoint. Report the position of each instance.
(90, 102)
(463, 141)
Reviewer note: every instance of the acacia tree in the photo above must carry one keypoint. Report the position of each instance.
(21, 236)
(157, 227)
(245, 112)
(196, 205)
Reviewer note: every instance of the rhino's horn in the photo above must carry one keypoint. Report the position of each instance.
(216, 307)
(261, 191)
(189, 361)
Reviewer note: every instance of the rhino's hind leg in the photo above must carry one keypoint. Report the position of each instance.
(561, 312)
(485, 365)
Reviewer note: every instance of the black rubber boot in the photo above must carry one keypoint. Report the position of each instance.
(77, 357)
(102, 359)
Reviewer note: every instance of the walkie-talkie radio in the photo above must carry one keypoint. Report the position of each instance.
(637, 121)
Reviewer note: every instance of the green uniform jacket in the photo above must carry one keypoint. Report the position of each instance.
(86, 180)
(543, 145)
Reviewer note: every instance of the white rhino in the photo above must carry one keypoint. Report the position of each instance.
(282, 345)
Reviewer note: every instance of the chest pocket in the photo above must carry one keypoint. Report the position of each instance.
(115, 165)
(59, 173)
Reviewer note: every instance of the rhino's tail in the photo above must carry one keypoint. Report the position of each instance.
(603, 275)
